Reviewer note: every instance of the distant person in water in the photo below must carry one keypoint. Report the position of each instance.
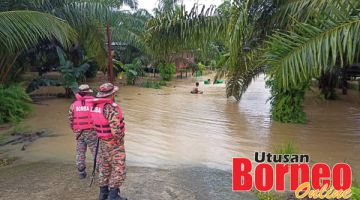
(196, 89)
(82, 126)
(207, 82)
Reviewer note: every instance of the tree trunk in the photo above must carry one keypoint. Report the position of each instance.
(327, 84)
(110, 62)
(344, 81)
(67, 92)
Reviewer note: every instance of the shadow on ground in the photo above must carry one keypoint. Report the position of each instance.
(55, 181)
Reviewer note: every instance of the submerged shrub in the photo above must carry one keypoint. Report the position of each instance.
(167, 71)
(153, 84)
(287, 106)
(14, 104)
(133, 71)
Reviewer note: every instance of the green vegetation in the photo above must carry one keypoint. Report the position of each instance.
(267, 195)
(201, 67)
(287, 105)
(288, 148)
(154, 84)
(17, 35)
(292, 42)
(167, 71)
(76, 26)
(71, 74)
(14, 104)
(355, 193)
(133, 71)
(355, 190)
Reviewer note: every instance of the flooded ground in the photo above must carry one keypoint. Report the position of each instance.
(170, 128)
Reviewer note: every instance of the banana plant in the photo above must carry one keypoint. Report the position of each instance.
(133, 71)
(70, 74)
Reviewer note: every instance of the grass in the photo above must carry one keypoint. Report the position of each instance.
(154, 84)
(288, 148)
(14, 104)
(267, 195)
(355, 190)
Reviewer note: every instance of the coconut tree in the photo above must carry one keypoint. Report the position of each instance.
(89, 19)
(23, 29)
(165, 6)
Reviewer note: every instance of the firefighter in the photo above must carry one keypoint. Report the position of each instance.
(109, 126)
(82, 126)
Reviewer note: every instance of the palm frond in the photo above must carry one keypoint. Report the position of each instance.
(297, 56)
(55, 4)
(131, 28)
(303, 10)
(239, 81)
(92, 39)
(179, 29)
(23, 29)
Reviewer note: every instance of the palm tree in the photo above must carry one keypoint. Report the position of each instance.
(307, 39)
(179, 29)
(165, 6)
(23, 29)
(88, 18)
(325, 40)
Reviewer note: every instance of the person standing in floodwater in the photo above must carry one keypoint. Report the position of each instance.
(82, 126)
(110, 128)
(196, 89)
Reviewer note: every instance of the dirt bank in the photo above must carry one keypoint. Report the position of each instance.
(58, 181)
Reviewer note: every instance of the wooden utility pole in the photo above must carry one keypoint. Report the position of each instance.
(110, 61)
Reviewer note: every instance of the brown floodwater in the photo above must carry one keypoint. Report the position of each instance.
(171, 127)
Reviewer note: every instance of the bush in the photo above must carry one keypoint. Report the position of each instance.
(201, 67)
(133, 71)
(167, 71)
(152, 84)
(162, 83)
(93, 69)
(287, 106)
(14, 104)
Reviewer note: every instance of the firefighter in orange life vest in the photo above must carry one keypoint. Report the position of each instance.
(109, 126)
(82, 126)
